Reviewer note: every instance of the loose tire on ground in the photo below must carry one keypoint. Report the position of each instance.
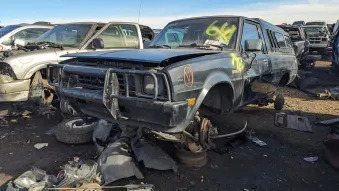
(279, 102)
(75, 131)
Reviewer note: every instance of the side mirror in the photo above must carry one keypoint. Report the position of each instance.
(253, 45)
(146, 42)
(18, 42)
(98, 43)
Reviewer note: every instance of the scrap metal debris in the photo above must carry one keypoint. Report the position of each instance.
(331, 93)
(295, 122)
(40, 145)
(153, 156)
(34, 179)
(328, 122)
(105, 133)
(97, 187)
(72, 175)
(257, 141)
(77, 172)
(116, 162)
(311, 159)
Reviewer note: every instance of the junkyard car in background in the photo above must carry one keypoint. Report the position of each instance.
(301, 44)
(320, 23)
(22, 71)
(206, 66)
(335, 51)
(19, 35)
(299, 23)
(319, 37)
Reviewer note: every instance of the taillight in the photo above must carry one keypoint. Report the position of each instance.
(1, 48)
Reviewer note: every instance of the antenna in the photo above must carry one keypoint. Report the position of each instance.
(139, 11)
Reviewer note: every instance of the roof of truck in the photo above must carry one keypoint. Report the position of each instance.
(270, 26)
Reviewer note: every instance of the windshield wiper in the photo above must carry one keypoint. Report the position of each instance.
(204, 46)
(51, 44)
(161, 46)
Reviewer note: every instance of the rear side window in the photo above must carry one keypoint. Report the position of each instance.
(280, 39)
(120, 36)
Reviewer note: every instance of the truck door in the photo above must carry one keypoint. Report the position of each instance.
(117, 36)
(254, 83)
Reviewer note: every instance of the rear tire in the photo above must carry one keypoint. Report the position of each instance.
(279, 102)
(75, 131)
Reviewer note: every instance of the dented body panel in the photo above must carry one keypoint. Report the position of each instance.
(163, 89)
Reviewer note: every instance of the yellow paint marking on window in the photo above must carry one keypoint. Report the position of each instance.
(237, 62)
(191, 101)
(225, 32)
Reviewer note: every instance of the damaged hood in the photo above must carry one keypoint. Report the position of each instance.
(156, 56)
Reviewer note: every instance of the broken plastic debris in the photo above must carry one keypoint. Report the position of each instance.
(40, 145)
(116, 162)
(311, 159)
(328, 122)
(153, 156)
(295, 122)
(77, 172)
(256, 140)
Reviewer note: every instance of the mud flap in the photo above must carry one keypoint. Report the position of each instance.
(111, 87)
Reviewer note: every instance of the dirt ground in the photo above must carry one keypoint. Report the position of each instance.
(277, 166)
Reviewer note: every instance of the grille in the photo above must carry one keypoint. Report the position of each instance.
(91, 83)
(131, 84)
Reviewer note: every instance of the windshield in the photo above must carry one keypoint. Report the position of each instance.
(313, 29)
(221, 32)
(8, 29)
(69, 35)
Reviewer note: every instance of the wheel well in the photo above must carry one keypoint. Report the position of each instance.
(219, 99)
(284, 79)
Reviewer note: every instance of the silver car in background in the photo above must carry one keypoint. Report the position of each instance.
(22, 72)
(13, 36)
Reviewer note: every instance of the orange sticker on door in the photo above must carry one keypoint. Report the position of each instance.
(188, 76)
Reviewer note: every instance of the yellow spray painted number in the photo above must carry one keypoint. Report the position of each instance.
(225, 32)
(237, 63)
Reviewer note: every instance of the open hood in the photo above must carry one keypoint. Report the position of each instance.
(151, 56)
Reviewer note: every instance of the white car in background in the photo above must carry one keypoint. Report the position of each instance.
(13, 36)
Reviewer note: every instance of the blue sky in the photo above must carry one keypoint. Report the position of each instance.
(158, 13)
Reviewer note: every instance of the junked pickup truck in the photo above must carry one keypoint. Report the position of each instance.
(206, 65)
(23, 71)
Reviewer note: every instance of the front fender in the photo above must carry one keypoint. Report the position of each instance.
(30, 71)
(213, 79)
